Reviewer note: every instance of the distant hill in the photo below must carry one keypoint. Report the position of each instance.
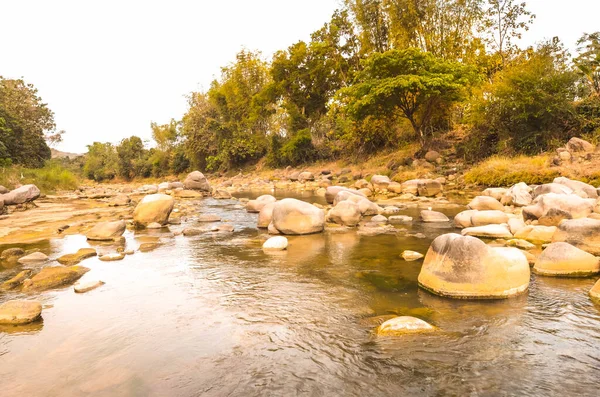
(57, 154)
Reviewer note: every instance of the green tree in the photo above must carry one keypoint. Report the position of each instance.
(409, 82)
(101, 162)
(131, 153)
(588, 62)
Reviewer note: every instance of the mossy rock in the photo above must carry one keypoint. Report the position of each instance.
(54, 277)
(73, 259)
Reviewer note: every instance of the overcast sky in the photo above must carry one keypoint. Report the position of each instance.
(108, 68)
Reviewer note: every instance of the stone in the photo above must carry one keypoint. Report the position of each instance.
(192, 231)
(521, 244)
(73, 259)
(595, 291)
(154, 225)
(466, 268)
(256, 205)
(390, 210)
(332, 191)
(147, 247)
(345, 213)
(582, 233)
(19, 312)
(429, 188)
(3, 190)
(555, 188)
(16, 280)
(291, 216)
(490, 217)
(225, 227)
(106, 231)
(54, 277)
(403, 325)
(579, 145)
(306, 176)
(516, 224)
(518, 195)
(221, 194)
(463, 219)
(565, 260)
(488, 231)
(112, 257)
(204, 218)
(395, 187)
(196, 181)
(188, 194)
(495, 192)
(35, 257)
(120, 200)
(398, 219)
(21, 195)
(429, 216)
(580, 188)
(12, 254)
(564, 205)
(432, 156)
(536, 233)
(554, 217)
(276, 243)
(265, 216)
(362, 183)
(366, 206)
(484, 203)
(380, 182)
(84, 286)
(271, 229)
(410, 256)
(380, 219)
(153, 208)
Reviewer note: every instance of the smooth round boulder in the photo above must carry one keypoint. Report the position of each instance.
(403, 325)
(518, 195)
(485, 203)
(463, 219)
(536, 233)
(120, 200)
(19, 312)
(106, 231)
(495, 192)
(21, 195)
(345, 213)
(580, 188)
(582, 233)
(254, 206)
(488, 231)
(196, 181)
(380, 182)
(275, 243)
(153, 208)
(429, 216)
(291, 216)
(565, 260)
(265, 216)
(306, 176)
(428, 187)
(579, 145)
(488, 217)
(432, 156)
(112, 257)
(464, 267)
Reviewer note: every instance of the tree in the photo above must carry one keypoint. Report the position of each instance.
(372, 21)
(101, 162)
(504, 21)
(166, 135)
(409, 81)
(130, 152)
(588, 62)
(24, 122)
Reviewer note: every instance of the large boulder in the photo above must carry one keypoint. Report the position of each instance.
(518, 195)
(546, 188)
(463, 219)
(345, 213)
(483, 203)
(495, 192)
(579, 145)
(21, 195)
(465, 267)
(256, 205)
(196, 181)
(380, 182)
(571, 204)
(429, 216)
(153, 208)
(106, 231)
(332, 191)
(428, 187)
(366, 206)
(490, 217)
(563, 259)
(580, 188)
(54, 277)
(18, 312)
(306, 176)
(583, 233)
(488, 231)
(265, 215)
(291, 216)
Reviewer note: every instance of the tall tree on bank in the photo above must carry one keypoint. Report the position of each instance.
(588, 61)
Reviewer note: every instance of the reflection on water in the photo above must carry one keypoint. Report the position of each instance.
(214, 315)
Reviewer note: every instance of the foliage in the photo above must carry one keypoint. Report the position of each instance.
(101, 162)
(53, 176)
(24, 122)
(130, 153)
(507, 171)
(588, 62)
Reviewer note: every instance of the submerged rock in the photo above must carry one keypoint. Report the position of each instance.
(563, 259)
(398, 219)
(465, 267)
(107, 231)
(153, 208)
(54, 277)
(403, 325)
(12, 254)
(291, 216)
(147, 247)
(410, 256)
(276, 243)
(209, 218)
(18, 312)
(36, 257)
(73, 259)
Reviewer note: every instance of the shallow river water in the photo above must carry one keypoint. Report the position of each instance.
(214, 315)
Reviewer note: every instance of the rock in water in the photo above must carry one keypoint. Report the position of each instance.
(565, 260)
(106, 231)
(488, 217)
(18, 312)
(12, 254)
(580, 188)
(276, 243)
(85, 286)
(595, 291)
(433, 216)
(256, 205)
(265, 216)
(466, 268)
(582, 233)
(54, 277)
(120, 200)
(291, 216)
(36, 257)
(21, 195)
(518, 195)
(410, 256)
(345, 213)
(112, 257)
(153, 208)
(73, 259)
(568, 206)
(16, 280)
(196, 181)
(403, 325)
(488, 231)
(483, 203)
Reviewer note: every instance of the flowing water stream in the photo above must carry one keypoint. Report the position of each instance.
(214, 315)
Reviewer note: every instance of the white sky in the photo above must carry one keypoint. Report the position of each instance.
(108, 68)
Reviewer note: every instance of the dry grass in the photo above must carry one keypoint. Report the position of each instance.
(507, 171)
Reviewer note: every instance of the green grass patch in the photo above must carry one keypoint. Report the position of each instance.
(50, 178)
(507, 171)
